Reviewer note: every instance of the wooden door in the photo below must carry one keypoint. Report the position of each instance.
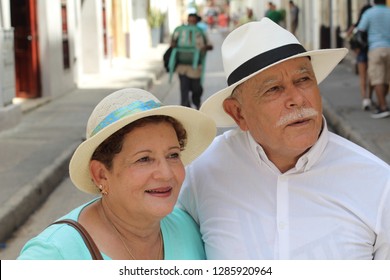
(24, 22)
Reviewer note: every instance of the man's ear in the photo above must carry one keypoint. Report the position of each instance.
(233, 108)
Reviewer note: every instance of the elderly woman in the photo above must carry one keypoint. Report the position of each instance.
(134, 156)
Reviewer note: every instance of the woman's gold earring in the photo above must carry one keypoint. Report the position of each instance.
(102, 191)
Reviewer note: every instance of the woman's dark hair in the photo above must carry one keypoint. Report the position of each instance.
(380, 2)
(106, 151)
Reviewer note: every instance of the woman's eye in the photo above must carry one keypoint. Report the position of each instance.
(144, 159)
(174, 155)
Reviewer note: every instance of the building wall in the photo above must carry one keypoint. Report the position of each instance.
(5, 21)
(7, 67)
(7, 63)
(55, 81)
(140, 39)
(10, 114)
(91, 42)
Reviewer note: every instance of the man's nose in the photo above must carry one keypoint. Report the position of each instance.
(295, 97)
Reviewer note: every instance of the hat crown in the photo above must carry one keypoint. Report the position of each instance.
(244, 43)
(121, 103)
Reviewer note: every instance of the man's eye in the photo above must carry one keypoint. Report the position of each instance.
(303, 79)
(272, 89)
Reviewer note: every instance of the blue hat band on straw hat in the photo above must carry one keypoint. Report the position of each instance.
(135, 107)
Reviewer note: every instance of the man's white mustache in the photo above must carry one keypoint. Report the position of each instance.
(298, 114)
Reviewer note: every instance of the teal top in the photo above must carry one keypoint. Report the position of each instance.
(181, 236)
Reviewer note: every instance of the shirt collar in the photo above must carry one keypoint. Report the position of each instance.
(305, 162)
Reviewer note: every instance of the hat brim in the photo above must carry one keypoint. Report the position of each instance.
(323, 62)
(201, 131)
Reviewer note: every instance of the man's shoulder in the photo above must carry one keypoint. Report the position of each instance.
(230, 137)
(224, 146)
(356, 153)
(376, 9)
(186, 28)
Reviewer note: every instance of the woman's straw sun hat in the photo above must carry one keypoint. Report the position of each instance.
(124, 107)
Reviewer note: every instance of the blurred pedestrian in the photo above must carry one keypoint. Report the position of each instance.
(201, 24)
(190, 77)
(211, 13)
(294, 16)
(361, 53)
(248, 17)
(223, 21)
(273, 14)
(134, 156)
(376, 21)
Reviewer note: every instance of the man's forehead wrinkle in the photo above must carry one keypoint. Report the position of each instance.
(271, 78)
(267, 78)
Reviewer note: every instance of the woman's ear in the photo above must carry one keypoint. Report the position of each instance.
(233, 108)
(98, 172)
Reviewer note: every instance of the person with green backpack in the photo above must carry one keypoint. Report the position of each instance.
(189, 46)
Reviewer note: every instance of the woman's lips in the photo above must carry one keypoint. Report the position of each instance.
(164, 191)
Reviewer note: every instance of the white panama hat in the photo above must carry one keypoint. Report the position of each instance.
(124, 107)
(255, 47)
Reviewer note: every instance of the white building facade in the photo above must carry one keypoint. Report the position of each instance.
(47, 46)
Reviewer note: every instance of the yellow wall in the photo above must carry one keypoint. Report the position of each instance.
(119, 49)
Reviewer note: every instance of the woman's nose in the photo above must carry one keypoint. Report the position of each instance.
(163, 169)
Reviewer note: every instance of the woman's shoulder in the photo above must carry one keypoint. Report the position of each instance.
(58, 241)
(55, 242)
(177, 218)
(182, 238)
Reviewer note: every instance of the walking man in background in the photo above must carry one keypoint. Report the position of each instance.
(190, 78)
(376, 21)
(366, 89)
(273, 14)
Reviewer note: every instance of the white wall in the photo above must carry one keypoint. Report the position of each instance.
(10, 114)
(91, 37)
(55, 81)
(7, 67)
(5, 14)
(140, 40)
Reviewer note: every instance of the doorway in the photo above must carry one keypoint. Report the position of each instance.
(27, 72)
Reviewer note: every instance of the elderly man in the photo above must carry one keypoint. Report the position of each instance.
(281, 186)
